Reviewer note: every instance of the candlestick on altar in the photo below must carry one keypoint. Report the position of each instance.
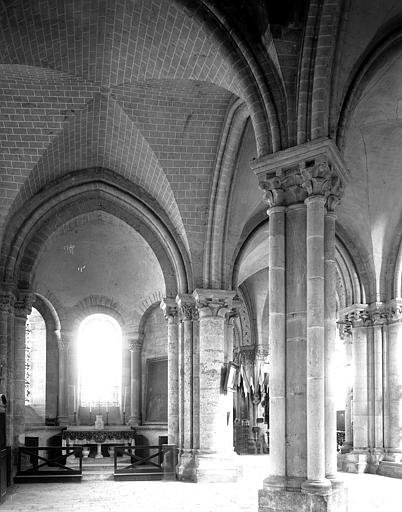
(125, 399)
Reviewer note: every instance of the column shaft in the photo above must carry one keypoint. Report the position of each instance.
(63, 416)
(330, 346)
(394, 445)
(19, 379)
(10, 380)
(296, 423)
(360, 404)
(277, 339)
(187, 310)
(187, 383)
(173, 381)
(348, 444)
(378, 388)
(315, 340)
(170, 311)
(135, 347)
(181, 384)
(4, 319)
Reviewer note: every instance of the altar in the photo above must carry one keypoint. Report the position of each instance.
(86, 435)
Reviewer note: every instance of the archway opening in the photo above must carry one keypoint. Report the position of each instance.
(99, 362)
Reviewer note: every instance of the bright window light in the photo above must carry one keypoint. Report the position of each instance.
(99, 361)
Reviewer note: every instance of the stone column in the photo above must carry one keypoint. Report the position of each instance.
(135, 343)
(378, 397)
(393, 446)
(169, 308)
(7, 300)
(63, 343)
(276, 333)
(308, 181)
(347, 342)
(360, 392)
(215, 461)
(315, 344)
(6, 309)
(330, 343)
(186, 305)
(22, 308)
(296, 359)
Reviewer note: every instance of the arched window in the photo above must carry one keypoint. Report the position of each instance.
(99, 361)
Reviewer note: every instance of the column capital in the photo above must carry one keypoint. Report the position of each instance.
(169, 308)
(261, 352)
(377, 313)
(215, 302)
(7, 300)
(23, 303)
(354, 316)
(291, 175)
(187, 307)
(395, 310)
(357, 315)
(135, 341)
(63, 339)
(321, 180)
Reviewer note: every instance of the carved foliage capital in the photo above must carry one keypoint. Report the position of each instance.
(274, 193)
(23, 304)
(135, 343)
(322, 180)
(214, 303)
(283, 188)
(291, 184)
(7, 301)
(375, 314)
(395, 311)
(187, 307)
(170, 309)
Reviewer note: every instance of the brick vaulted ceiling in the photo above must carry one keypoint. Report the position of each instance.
(138, 87)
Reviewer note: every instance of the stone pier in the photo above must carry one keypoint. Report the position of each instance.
(215, 459)
(302, 187)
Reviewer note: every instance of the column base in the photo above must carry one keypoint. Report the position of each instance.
(197, 466)
(283, 500)
(374, 460)
(390, 469)
(393, 456)
(185, 468)
(322, 487)
(63, 421)
(354, 462)
(133, 421)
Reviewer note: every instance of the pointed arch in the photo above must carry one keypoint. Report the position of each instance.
(83, 192)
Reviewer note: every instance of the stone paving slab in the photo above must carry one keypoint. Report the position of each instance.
(367, 493)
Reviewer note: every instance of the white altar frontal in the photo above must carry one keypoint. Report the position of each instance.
(86, 435)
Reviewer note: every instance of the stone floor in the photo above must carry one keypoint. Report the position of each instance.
(367, 493)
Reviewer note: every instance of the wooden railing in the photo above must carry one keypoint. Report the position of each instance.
(145, 462)
(45, 463)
